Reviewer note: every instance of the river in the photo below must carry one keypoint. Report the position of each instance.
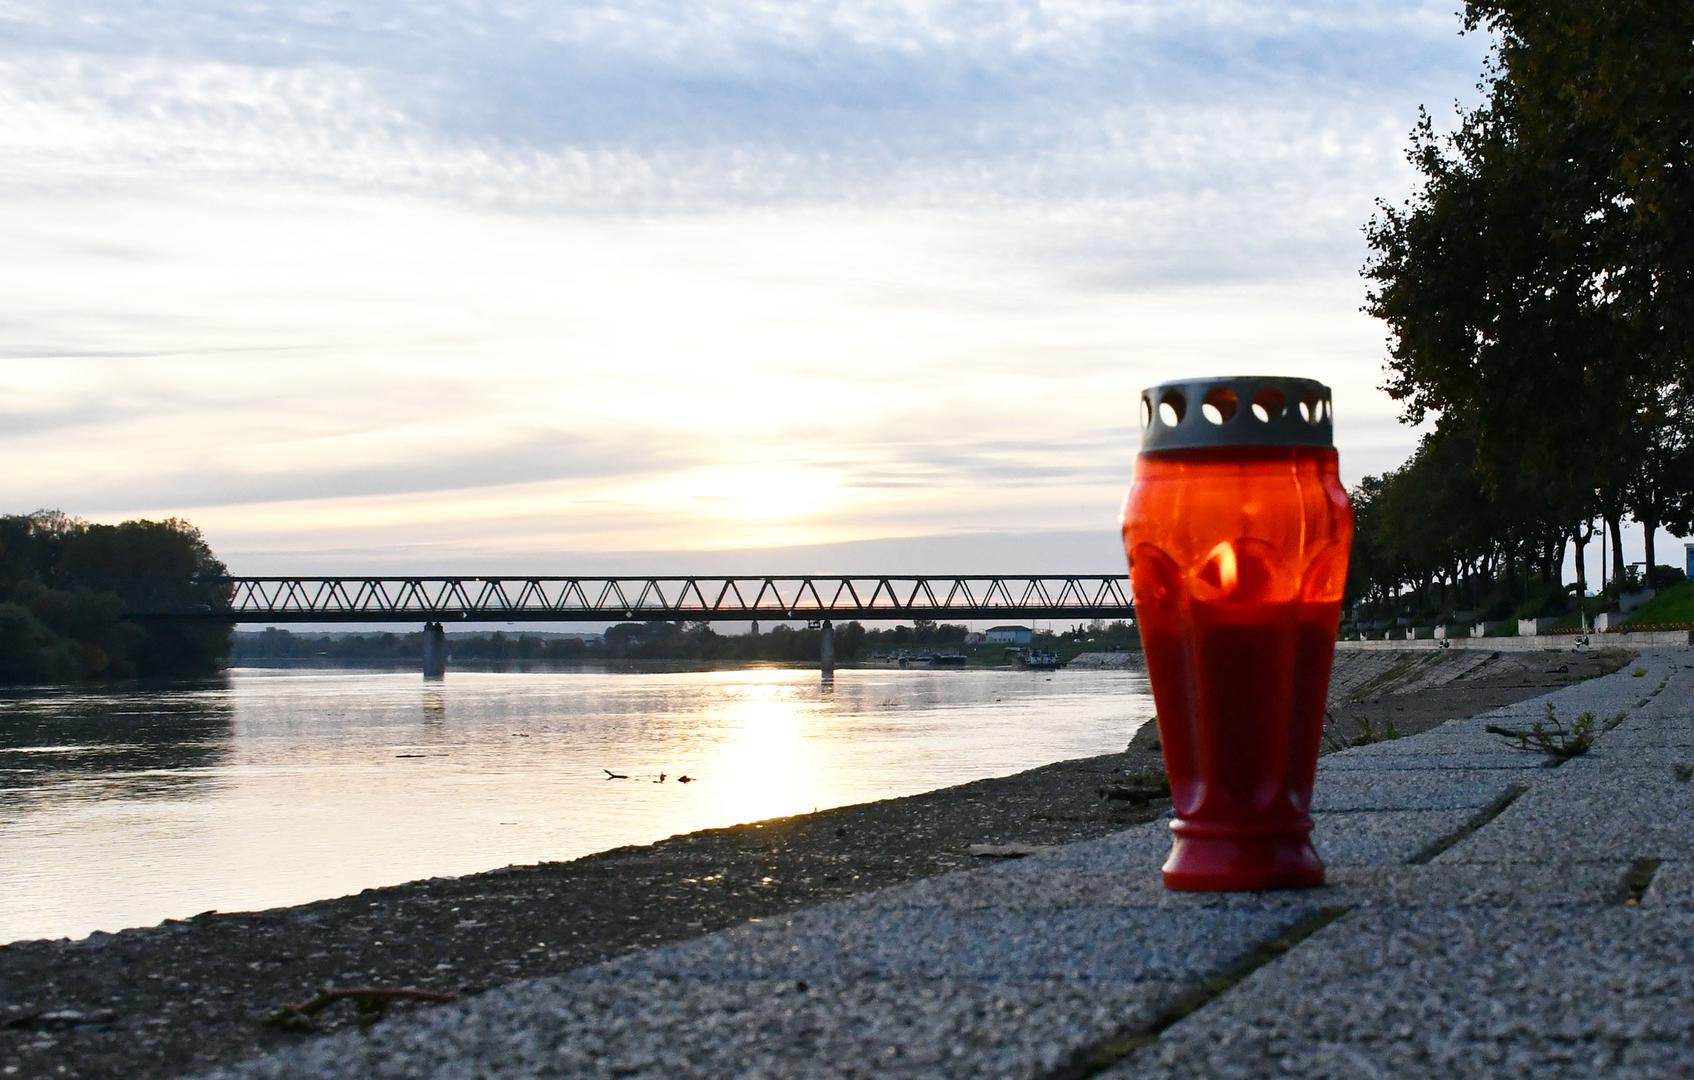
(123, 806)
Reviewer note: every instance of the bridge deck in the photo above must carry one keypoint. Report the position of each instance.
(617, 599)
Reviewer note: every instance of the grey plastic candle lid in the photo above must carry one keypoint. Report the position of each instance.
(1236, 410)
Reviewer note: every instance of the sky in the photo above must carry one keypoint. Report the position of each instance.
(540, 286)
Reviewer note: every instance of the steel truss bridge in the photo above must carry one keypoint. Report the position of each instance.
(814, 598)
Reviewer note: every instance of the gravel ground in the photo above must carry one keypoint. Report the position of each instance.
(189, 994)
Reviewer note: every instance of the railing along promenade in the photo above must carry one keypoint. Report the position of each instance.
(815, 598)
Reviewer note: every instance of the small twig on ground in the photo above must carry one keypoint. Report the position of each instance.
(370, 1001)
(1550, 736)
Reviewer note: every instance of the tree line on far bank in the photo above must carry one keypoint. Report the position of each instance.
(65, 583)
(682, 640)
(657, 641)
(1538, 291)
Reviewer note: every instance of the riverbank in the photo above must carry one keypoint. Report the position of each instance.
(1487, 912)
(190, 994)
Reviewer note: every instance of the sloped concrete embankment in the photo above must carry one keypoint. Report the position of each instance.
(1385, 667)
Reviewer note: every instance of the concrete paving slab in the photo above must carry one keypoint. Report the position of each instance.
(1408, 789)
(1137, 846)
(1249, 1055)
(1441, 740)
(1465, 885)
(1452, 992)
(1123, 870)
(1672, 886)
(1456, 744)
(1081, 945)
(612, 1024)
(1592, 885)
(1592, 815)
(1611, 755)
(1567, 701)
(1655, 726)
(1438, 760)
(1389, 838)
(1655, 735)
(1045, 885)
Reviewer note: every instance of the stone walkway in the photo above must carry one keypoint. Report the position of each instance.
(1488, 916)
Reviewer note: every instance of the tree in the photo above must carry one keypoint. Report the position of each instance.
(75, 580)
(1368, 568)
(1602, 95)
(1539, 287)
(1660, 490)
(163, 565)
(29, 651)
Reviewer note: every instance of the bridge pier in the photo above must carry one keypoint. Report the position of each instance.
(434, 651)
(826, 649)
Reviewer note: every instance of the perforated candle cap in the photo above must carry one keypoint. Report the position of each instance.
(1236, 410)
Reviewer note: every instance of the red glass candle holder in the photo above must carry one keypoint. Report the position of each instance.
(1237, 530)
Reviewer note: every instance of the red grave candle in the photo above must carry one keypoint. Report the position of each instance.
(1237, 530)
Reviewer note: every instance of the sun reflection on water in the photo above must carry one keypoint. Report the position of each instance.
(766, 764)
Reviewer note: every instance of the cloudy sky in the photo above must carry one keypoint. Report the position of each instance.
(541, 285)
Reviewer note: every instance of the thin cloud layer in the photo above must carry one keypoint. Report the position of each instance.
(668, 276)
(683, 107)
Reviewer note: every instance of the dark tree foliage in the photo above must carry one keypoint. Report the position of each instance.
(1538, 290)
(64, 585)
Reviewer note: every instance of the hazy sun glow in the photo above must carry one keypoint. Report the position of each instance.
(752, 494)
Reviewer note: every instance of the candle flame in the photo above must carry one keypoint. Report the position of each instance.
(1221, 567)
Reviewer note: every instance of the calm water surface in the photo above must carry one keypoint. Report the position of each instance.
(122, 807)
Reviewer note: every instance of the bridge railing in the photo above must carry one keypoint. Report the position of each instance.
(623, 598)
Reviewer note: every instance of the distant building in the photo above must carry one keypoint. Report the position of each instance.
(975, 637)
(1009, 635)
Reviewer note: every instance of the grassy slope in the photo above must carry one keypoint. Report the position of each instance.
(1670, 606)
